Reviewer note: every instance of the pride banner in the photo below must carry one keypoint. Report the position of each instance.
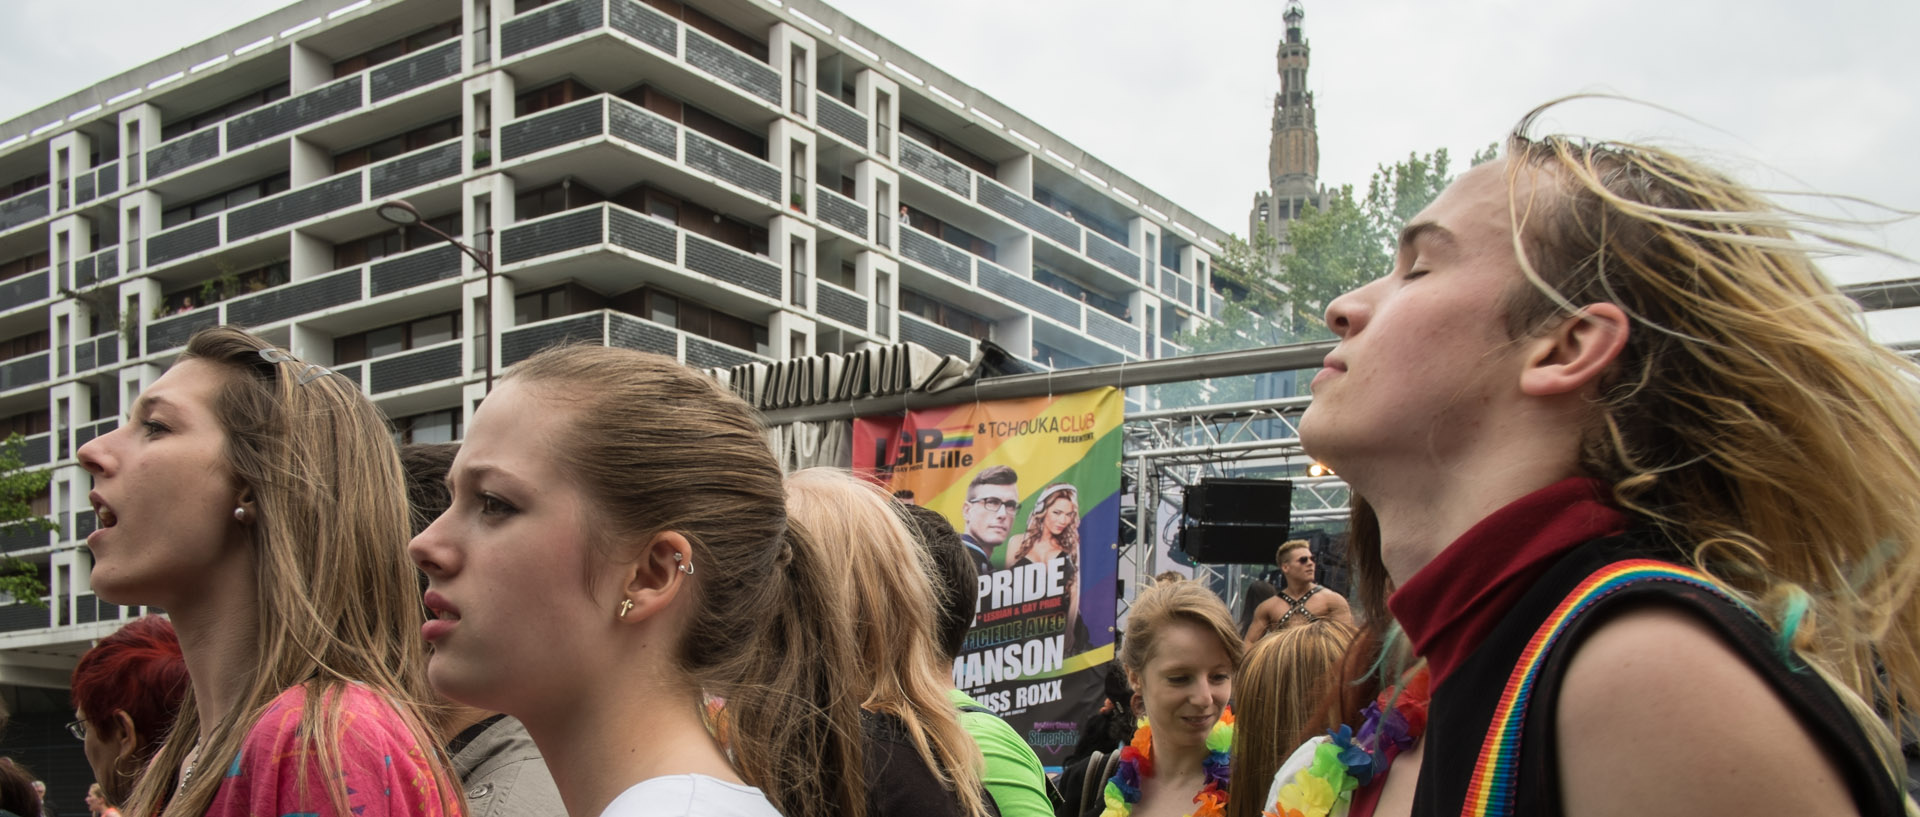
(1033, 487)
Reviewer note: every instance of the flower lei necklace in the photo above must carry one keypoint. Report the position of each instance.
(1136, 765)
(1349, 760)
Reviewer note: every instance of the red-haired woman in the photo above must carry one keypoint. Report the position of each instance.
(126, 691)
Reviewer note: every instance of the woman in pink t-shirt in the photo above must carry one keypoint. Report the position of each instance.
(259, 501)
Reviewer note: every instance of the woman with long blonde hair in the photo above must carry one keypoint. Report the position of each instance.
(258, 499)
(1280, 693)
(1637, 480)
(902, 674)
(617, 553)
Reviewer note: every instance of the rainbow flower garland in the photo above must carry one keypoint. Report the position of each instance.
(1348, 760)
(1136, 765)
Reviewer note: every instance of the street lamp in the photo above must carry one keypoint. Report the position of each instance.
(399, 211)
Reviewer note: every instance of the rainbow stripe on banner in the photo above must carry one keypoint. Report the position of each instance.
(1490, 790)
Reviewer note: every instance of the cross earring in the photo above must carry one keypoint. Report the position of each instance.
(626, 606)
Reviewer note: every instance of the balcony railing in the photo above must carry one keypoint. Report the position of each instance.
(1113, 256)
(28, 370)
(613, 328)
(25, 208)
(99, 182)
(842, 212)
(839, 119)
(935, 254)
(733, 66)
(101, 266)
(606, 115)
(21, 290)
(928, 164)
(839, 304)
(404, 370)
(915, 329)
(96, 352)
(610, 224)
(415, 71)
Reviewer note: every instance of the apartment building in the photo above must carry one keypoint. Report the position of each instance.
(724, 181)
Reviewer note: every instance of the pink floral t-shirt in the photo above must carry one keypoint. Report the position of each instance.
(387, 774)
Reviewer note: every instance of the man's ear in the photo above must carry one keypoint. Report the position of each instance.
(1573, 355)
(651, 583)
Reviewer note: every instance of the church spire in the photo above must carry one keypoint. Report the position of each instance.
(1293, 153)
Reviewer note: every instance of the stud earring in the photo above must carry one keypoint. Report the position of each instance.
(626, 606)
(240, 514)
(679, 557)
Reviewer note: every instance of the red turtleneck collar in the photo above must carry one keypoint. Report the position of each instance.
(1448, 607)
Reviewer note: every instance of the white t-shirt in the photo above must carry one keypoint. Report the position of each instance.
(690, 795)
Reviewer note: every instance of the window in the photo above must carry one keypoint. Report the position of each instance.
(555, 302)
(551, 95)
(1072, 288)
(678, 110)
(399, 337)
(947, 315)
(392, 241)
(188, 124)
(558, 197)
(797, 263)
(1080, 215)
(224, 286)
(223, 200)
(883, 124)
(712, 27)
(883, 214)
(418, 41)
(31, 262)
(393, 146)
(926, 136)
(797, 168)
(946, 232)
(27, 424)
(431, 427)
(482, 129)
(697, 319)
(883, 299)
(799, 73)
(695, 218)
(26, 344)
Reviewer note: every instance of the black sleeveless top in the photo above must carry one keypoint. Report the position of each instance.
(1491, 736)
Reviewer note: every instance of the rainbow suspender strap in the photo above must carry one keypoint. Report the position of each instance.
(1490, 792)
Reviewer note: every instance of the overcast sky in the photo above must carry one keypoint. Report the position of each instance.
(1792, 95)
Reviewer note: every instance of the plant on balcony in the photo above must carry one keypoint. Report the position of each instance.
(18, 488)
(482, 158)
(798, 201)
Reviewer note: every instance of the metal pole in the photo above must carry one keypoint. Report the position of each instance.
(1141, 373)
(484, 258)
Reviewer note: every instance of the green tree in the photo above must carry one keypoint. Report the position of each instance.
(19, 486)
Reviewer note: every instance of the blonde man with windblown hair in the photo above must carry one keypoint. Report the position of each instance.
(258, 499)
(1608, 385)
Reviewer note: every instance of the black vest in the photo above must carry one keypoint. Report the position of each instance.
(1470, 769)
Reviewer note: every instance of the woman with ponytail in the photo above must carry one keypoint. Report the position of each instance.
(618, 554)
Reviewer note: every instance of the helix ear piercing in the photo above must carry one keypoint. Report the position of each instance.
(684, 568)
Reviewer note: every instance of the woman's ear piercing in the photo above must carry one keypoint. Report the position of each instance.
(680, 557)
(240, 514)
(626, 606)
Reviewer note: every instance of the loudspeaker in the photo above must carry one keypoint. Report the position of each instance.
(1232, 544)
(1240, 501)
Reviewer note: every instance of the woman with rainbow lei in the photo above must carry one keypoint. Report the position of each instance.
(1639, 492)
(1181, 654)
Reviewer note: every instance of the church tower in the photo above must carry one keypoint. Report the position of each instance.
(1293, 154)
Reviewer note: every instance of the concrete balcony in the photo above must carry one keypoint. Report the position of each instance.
(613, 144)
(98, 183)
(27, 370)
(97, 268)
(100, 351)
(323, 104)
(25, 209)
(609, 327)
(312, 297)
(915, 329)
(611, 43)
(841, 120)
(840, 305)
(429, 165)
(26, 290)
(415, 368)
(613, 249)
(841, 213)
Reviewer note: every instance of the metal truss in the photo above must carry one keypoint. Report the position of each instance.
(1170, 449)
